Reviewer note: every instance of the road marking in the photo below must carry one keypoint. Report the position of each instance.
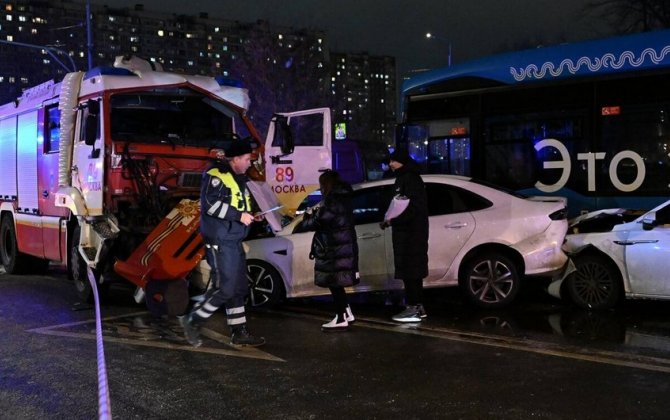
(134, 329)
(657, 364)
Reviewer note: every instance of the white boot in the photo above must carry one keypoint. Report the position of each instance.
(335, 326)
(349, 316)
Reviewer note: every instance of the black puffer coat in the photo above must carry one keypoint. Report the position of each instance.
(334, 223)
(410, 229)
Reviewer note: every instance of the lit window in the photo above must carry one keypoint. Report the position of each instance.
(2, 79)
(280, 36)
(22, 18)
(10, 38)
(216, 30)
(382, 100)
(12, 79)
(24, 80)
(112, 18)
(81, 54)
(9, 18)
(160, 32)
(8, 7)
(33, 31)
(320, 40)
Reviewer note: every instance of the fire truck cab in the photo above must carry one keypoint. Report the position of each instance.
(92, 164)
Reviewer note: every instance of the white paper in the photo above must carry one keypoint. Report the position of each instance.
(267, 200)
(397, 206)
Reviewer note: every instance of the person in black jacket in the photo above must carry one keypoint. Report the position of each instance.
(410, 235)
(334, 246)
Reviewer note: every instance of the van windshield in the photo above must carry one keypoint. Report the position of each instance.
(171, 116)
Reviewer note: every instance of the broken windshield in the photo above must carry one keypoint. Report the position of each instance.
(178, 117)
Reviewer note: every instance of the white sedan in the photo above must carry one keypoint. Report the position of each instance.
(481, 238)
(617, 254)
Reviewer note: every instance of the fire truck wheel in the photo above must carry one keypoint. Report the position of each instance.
(266, 288)
(15, 262)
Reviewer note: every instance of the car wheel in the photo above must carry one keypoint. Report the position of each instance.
(596, 283)
(266, 288)
(14, 261)
(490, 280)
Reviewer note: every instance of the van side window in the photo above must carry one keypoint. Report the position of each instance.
(52, 130)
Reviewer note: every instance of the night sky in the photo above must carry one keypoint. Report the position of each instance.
(398, 27)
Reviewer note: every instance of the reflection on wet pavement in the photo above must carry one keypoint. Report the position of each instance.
(636, 327)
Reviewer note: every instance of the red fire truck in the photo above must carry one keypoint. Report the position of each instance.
(101, 172)
(91, 165)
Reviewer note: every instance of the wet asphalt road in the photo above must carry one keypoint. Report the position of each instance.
(539, 359)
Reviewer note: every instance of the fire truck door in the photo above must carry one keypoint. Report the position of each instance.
(28, 222)
(47, 181)
(88, 159)
(297, 149)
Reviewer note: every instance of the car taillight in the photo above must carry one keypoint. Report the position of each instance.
(559, 214)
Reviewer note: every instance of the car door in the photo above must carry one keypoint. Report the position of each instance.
(373, 242)
(451, 225)
(646, 256)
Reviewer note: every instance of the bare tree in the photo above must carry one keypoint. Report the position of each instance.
(282, 75)
(627, 16)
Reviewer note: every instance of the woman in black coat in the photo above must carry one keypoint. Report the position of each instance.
(410, 235)
(334, 247)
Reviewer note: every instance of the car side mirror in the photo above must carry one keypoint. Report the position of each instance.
(283, 130)
(649, 221)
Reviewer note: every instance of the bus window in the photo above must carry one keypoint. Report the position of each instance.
(511, 158)
(635, 142)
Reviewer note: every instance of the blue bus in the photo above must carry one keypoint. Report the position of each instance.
(589, 121)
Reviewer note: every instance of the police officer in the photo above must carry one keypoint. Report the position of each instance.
(225, 216)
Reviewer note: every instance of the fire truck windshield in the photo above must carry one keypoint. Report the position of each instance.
(177, 117)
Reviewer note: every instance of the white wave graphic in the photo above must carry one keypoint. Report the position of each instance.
(594, 64)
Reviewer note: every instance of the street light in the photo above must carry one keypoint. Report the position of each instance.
(431, 36)
(52, 51)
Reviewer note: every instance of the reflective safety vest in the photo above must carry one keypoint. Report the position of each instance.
(236, 200)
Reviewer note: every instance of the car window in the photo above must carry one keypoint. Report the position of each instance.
(370, 204)
(449, 199)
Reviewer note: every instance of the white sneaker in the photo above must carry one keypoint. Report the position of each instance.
(335, 326)
(349, 316)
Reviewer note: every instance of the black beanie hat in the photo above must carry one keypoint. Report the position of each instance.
(400, 156)
(238, 148)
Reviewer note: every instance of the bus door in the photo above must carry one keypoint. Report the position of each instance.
(297, 149)
(448, 155)
(441, 146)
